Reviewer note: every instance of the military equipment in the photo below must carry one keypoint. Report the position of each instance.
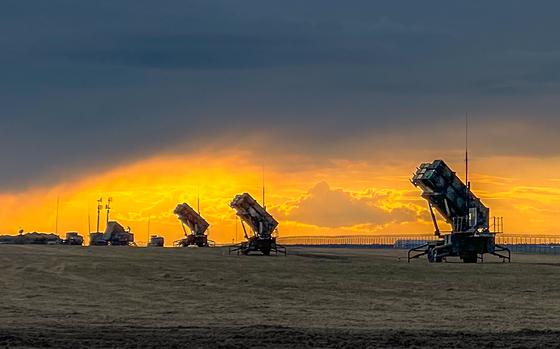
(73, 238)
(470, 237)
(156, 241)
(115, 235)
(261, 224)
(197, 227)
(31, 239)
(96, 239)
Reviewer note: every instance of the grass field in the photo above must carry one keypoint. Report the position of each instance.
(73, 297)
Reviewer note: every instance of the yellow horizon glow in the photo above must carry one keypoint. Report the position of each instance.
(525, 193)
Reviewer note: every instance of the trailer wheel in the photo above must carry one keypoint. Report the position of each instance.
(470, 258)
(433, 257)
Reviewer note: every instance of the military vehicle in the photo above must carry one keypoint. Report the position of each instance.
(156, 241)
(115, 235)
(74, 239)
(261, 224)
(470, 237)
(197, 227)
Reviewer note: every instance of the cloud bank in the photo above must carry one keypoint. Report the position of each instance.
(88, 86)
(334, 208)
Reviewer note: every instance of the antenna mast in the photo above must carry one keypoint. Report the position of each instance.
(263, 190)
(467, 149)
(57, 207)
(468, 184)
(99, 207)
(198, 200)
(88, 219)
(108, 207)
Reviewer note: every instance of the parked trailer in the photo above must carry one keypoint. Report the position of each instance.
(115, 235)
(262, 226)
(469, 218)
(197, 227)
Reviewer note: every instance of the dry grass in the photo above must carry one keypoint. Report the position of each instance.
(132, 297)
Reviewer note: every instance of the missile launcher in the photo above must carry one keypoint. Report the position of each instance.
(197, 227)
(470, 236)
(259, 237)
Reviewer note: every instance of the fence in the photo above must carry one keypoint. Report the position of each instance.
(363, 241)
(526, 243)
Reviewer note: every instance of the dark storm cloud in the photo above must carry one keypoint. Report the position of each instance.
(89, 84)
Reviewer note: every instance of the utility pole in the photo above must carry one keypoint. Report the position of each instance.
(99, 208)
(108, 207)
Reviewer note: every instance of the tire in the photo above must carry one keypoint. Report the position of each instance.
(433, 258)
(470, 258)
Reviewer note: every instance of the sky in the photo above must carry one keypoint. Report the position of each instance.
(156, 103)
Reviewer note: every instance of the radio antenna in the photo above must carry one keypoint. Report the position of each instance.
(108, 208)
(467, 149)
(198, 199)
(88, 219)
(99, 208)
(57, 210)
(468, 184)
(263, 190)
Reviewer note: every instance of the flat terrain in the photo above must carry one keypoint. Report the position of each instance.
(72, 297)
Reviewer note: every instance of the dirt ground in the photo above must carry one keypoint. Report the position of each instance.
(111, 297)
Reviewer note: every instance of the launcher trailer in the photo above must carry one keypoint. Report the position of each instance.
(470, 237)
(261, 224)
(197, 227)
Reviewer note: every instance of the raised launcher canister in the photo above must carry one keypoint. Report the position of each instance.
(197, 227)
(470, 237)
(156, 241)
(74, 239)
(261, 224)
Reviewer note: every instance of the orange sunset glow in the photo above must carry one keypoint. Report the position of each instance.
(343, 197)
(338, 106)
